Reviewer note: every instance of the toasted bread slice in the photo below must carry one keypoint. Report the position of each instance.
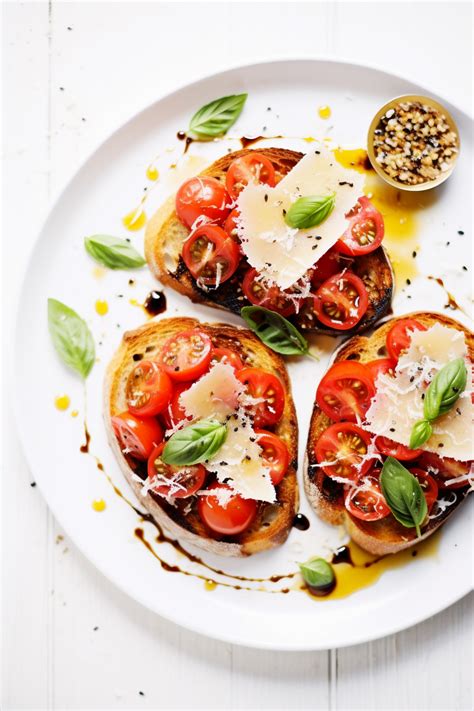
(326, 496)
(273, 522)
(165, 235)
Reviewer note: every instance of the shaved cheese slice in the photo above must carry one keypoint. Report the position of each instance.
(398, 402)
(215, 395)
(283, 254)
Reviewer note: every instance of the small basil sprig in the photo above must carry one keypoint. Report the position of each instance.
(403, 494)
(318, 575)
(441, 395)
(275, 331)
(71, 337)
(113, 252)
(310, 211)
(215, 118)
(195, 443)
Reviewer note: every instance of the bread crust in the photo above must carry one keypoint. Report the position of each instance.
(384, 536)
(165, 235)
(273, 522)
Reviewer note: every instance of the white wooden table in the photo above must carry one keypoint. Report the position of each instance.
(72, 73)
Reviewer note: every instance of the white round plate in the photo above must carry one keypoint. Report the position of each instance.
(108, 186)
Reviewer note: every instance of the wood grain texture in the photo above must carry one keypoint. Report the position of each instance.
(65, 90)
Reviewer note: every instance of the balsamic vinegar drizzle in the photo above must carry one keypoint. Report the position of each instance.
(155, 303)
(452, 303)
(300, 522)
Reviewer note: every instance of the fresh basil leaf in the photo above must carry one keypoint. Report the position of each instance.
(318, 574)
(215, 118)
(421, 432)
(275, 331)
(403, 494)
(113, 252)
(445, 388)
(195, 443)
(310, 211)
(71, 337)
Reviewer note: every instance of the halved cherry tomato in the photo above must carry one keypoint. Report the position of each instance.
(429, 486)
(202, 196)
(265, 386)
(341, 451)
(230, 519)
(230, 225)
(178, 482)
(226, 355)
(399, 337)
(211, 255)
(346, 390)
(137, 436)
(381, 366)
(444, 469)
(174, 413)
(365, 230)
(271, 297)
(394, 449)
(325, 267)
(274, 454)
(341, 301)
(186, 356)
(366, 502)
(148, 389)
(252, 168)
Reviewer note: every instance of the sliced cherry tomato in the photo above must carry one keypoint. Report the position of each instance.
(381, 366)
(341, 451)
(341, 301)
(211, 255)
(271, 297)
(274, 453)
(186, 356)
(394, 449)
(137, 436)
(178, 482)
(252, 168)
(365, 230)
(444, 469)
(268, 387)
(325, 267)
(345, 391)
(226, 355)
(366, 501)
(230, 225)
(148, 389)
(174, 413)
(399, 337)
(229, 519)
(202, 197)
(429, 486)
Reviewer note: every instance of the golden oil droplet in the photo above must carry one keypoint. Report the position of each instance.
(152, 173)
(135, 219)
(101, 307)
(210, 584)
(309, 139)
(98, 272)
(324, 112)
(74, 413)
(62, 402)
(99, 505)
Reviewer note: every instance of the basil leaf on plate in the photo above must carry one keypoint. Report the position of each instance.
(195, 443)
(310, 211)
(71, 337)
(113, 252)
(420, 433)
(318, 575)
(275, 331)
(445, 388)
(403, 494)
(215, 118)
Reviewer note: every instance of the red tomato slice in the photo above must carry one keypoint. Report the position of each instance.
(226, 355)
(178, 482)
(399, 337)
(429, 486)
(148, 389)
(270, 297)
(252, 168)
(202, 196)
(325, 267)
(211, 255)
(444, 469)
(366, 501)
(397, 451)
(365, 230)
(341, 450)
(345, 391)
(341, 301)
(230, 225)
(267, 386)
(274, 454)
(228, 520)
(137, 436)
(381, 366)
(186, 356)
(174, 413)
